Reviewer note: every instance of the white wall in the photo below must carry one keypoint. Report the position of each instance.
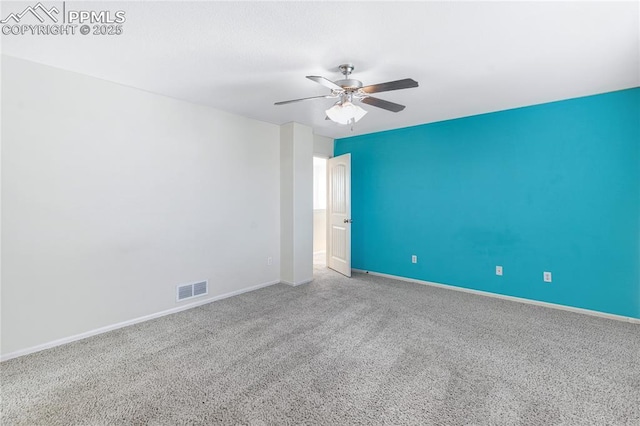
(322, 146)
(319, 231)
(319, 204)
(111, 196)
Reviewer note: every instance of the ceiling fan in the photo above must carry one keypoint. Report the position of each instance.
(349, 90)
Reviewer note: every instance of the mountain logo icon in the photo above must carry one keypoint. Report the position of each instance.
(34, 11)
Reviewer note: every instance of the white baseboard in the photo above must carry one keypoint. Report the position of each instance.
(505, 297)
(297, 283)
(104, 329)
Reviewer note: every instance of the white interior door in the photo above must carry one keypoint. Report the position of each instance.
(339, 214)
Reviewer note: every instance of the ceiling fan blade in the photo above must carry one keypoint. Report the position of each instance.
(326, 83)
(304, 99)
(407, 83)
(381, 103)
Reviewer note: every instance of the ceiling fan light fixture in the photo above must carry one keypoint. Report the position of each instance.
(345, 113)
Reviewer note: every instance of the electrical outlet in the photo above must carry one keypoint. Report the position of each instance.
(269, 260)
(414, 258)
(546, 276)
(499, 270)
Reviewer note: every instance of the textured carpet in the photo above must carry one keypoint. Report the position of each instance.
(368, 350)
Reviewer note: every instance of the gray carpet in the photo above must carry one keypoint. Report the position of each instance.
(368, 350)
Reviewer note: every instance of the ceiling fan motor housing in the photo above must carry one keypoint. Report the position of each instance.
(349, 84)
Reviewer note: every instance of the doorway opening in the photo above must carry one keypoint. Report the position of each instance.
(319, 212)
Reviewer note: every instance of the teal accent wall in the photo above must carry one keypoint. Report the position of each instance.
(552, 187)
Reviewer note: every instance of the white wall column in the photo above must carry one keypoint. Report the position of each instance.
(296, 203)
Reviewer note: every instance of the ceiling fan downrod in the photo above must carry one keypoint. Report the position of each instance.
(348, 84)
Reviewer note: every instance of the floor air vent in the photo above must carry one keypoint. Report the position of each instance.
(188, 291)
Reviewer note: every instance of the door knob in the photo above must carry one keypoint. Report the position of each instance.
(348, 221)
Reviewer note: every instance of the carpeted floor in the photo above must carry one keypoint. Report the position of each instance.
(366, 350)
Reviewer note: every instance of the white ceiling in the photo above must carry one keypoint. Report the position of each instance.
(468, 57)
